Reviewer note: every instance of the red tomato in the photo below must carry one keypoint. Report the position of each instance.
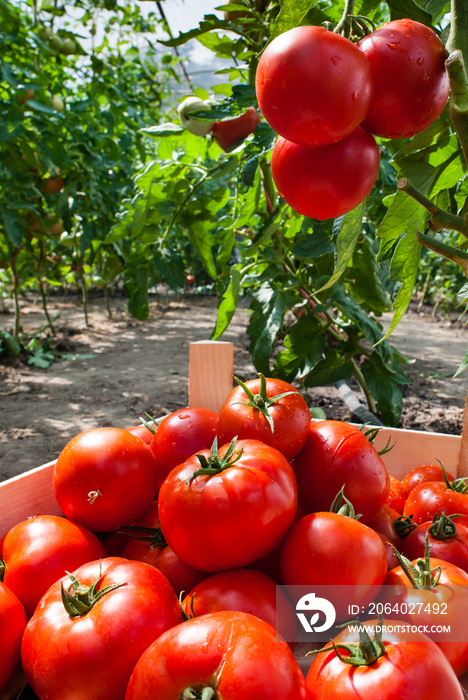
(142, 432)
(252, 411)
(327, 181)
(14, 620)
(90, 655)
(411, 667)
(105, 478)
(397, 494)
(152, 548)
(338, 453)
(432, 497)
(411, 85)
(234, 653)
(426, 472)
(313, 86)
(438, 598)
(330, 549)
(39, 550)
(447, 540)
(180, 435)
(232, 512)
(52, 185)
(230, 133)
(244, 590)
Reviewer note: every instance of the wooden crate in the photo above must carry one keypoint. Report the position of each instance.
(210, 380)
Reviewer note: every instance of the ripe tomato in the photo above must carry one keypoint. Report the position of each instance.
(180, 435)
(89, 654)
(224, 511)
(244, 590)
(395, 665)
(105, 478)
(447, 540)
(426, 472)
(313, 86)
(39, 550)
(432, 497)
(53, 185)
(230, 133)
(411, 85)
(152, 548)
(436, 595)
(327, 181)
(14, 620)
(142, 432)
(397, 494)
(384, 525)
(338, 453)
(260, 410)
(330, 549)
(234, 653)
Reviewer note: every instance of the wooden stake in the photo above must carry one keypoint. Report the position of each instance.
(211, 365)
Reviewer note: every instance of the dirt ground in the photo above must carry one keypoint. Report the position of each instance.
(118, 369)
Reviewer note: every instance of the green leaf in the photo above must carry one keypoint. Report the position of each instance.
(160, 130)
(12, 227)
(404, 269)
(463, 366)
(383, 382)
(202, 239)
(401, 9)
(404, 215)
(208, 24)
(228, 305)
(10, 343)
(304, 346)
(329, 370)
(268, 308)
(349, 230)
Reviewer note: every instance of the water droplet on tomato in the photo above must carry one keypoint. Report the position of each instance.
(425, 75)
(336, 60)
(420, 60)
(355, 95)
(394, 44)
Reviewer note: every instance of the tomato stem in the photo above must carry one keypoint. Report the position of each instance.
(153, 535)
(83, 598)
(344, 25)
(215, 463)
(365, 653)
(443, 526)
(439, 218)
(261, 401)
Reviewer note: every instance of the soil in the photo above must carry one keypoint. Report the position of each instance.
(116, 369)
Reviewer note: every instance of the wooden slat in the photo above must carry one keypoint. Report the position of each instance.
(210, 373)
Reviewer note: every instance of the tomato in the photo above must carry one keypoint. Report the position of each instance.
(432, 497)
(89, 654)
(229, 133)
(447, 540)
(145, 542)
(180, 435)
(39, 550)
(260, 410)
(14, 620)
(426, 472)
(435, 595)
(393, 666)
(53, 185)
(331, 549)
(225, 510)
(338, 453)
(105, 478)
(313, 86)
(397, 494)
(327, 181)
(143, 432)
(244, 590)
(190, 279)
(234, 653)
(411, 86)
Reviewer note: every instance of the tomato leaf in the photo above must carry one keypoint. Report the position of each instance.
(404, 268)
(227, 307)
(304, 346)
(348, 231)
(401, 9)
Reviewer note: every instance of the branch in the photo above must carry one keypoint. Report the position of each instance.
(439, 218)
(457, 256)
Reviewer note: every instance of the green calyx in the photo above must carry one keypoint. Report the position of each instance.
(2, 569)
(404, 525)
(457, 485)
(420, 574)
(215, 464)
(206, 693)
(83, 598)
(443, 526)
(365, 652)
(261, 401)
(152, 535)
(345, 508)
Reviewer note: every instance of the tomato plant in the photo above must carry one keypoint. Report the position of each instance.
(234, 654)
(327, 181)
(230, 133)
(180, 435)
(270, 410)
(41, 549)
(14, 621)
(105, 478)
(364, 665)
(411, 85)
(334, 549)
(225, 509)
(87, 644)
(313, 87)
(337, 453)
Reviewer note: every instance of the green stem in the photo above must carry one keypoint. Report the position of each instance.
(439, 218)
(44, 305)
(447, 251)
(363, 384)
(344, 25)
(456, 70)
(16, 331)
(458, 36)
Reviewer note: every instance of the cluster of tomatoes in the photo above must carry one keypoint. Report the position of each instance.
(162, 578)
(326, 97)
